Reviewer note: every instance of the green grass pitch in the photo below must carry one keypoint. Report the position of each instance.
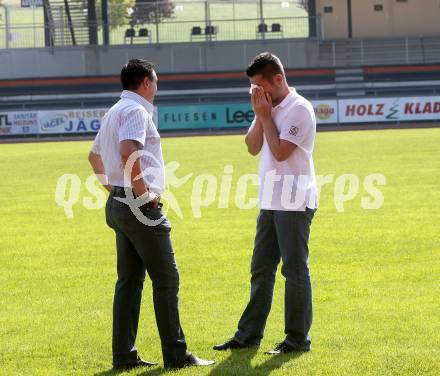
(375, 273)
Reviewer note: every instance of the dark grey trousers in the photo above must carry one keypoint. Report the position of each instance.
(280, 235)
(142, 248)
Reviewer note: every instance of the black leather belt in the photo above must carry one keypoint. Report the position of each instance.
(120, 192)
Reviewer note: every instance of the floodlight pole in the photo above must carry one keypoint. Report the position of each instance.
(157, 22)
(105, 23)
(350, 21)
(313, 20)
(7, 24)
(207, 21)
(92, 21)
(233, 16)
(263, 34)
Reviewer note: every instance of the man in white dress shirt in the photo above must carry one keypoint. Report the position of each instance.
(128, 140)
(283, 133)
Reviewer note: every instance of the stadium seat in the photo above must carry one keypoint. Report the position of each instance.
(210, 30)
(262, 28)
(143, 33)
(196, 30)
(276, 28)
(129, 34)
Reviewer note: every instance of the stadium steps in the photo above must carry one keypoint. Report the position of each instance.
(68, 22)
(339, 53)
(349, 82)
(222, 87)
(408, 51)
(431, 48)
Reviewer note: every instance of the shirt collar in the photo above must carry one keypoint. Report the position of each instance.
(289, 97)
(128, 94)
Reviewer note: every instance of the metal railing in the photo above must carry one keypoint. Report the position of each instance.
(358, 52)
(33, 35)
(216, 30)
(189, 21)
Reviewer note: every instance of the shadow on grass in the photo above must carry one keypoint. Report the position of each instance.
(239, 363)
(147, 372)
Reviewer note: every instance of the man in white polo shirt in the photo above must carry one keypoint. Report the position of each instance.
(129, 142)
(283, 133)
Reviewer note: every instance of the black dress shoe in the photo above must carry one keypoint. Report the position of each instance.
(284, 348)
(231, 344)
(192, 360)
(138, 363)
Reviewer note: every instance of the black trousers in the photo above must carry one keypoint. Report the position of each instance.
(140, 249)
(281, 235)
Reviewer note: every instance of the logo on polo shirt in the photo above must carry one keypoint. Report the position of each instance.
(293, 130)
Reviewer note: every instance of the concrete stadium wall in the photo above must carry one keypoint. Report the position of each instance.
(404, 18)
(169, 58)
(334, 24)
(398, 19)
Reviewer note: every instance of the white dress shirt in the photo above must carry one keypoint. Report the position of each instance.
(290, 185)
(131, 118)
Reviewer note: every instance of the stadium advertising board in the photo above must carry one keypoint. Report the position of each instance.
(234, 115)
(31, 3)
(326, 111)
(372, 110)
(205, 116)
(51, 122)
(18, 123)
(70, 121)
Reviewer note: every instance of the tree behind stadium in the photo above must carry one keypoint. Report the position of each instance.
(151, 11)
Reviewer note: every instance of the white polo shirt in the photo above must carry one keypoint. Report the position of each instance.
(290, 185)
(131, 118)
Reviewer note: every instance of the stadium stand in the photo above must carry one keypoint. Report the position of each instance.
(221, 86)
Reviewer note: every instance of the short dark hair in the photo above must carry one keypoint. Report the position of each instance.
(134, 72)
(266, 64)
